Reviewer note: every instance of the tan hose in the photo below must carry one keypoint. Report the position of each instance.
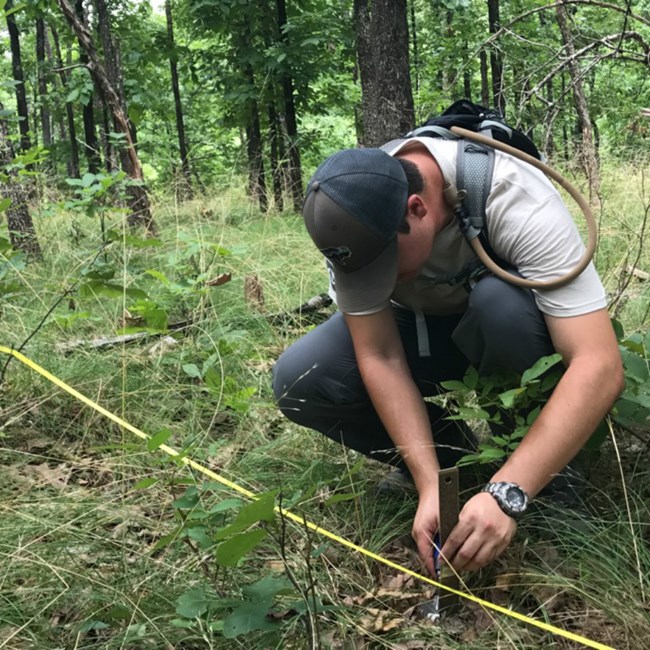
(558, 178)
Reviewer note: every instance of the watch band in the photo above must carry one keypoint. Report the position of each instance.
(510, 497)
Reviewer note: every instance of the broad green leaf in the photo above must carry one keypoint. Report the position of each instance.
(192, 603)
(248, 618)
(471, 377)
(232, 550)
(533, 415)
(200, 535)
(469, 459)
(4, 204)
(337, 498)
(156, 318)
(473, 413)
(138, 242)
(509, 398)
(268, 588)
(492, 454)
(225, 505)
(539, 368)
(92, 624)
(262, 509)
(191, 370)
(188, 500)
(636, 367)
(159, 275)
(163, 542)
(158, 439)
(145, 483)
(457, 386)
(110, 289)
(212, 378)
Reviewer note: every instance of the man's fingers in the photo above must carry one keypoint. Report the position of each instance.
(424, 543)
(455, 541)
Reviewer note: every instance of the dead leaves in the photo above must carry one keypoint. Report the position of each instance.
(222, 278)
(253, 292)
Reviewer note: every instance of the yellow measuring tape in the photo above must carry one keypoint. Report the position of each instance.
(290, 515)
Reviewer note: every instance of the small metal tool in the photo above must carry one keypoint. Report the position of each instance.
(444, 602)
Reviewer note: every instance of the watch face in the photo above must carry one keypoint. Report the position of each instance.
(515, 498)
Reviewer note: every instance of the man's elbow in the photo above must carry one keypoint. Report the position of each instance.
(618, 378)
(611, 376)
(604, 372)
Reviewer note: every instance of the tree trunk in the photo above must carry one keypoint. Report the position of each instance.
(19, 221)
(416, 54)
(383, 57)
(46, 122)
(91, 144)
(295, 168)
(186, 186)
(467, 74)
(111, 163)
(138, 198)
(485, 85)
(17, 68)
(549, 142)
(587, 150)
(450, 71)
(275, 136)
(73, 161)
(256, 175)
(496, 64)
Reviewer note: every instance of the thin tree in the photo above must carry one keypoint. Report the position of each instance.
(276, 153)
(91, 144)
(256, 174)
(187, 190)
(383, 57)
(19, 78)
(295, 170)
(73, 160)
(46, 122)
(588, 157)
(22, 233)
(496, 64)
(138, 198)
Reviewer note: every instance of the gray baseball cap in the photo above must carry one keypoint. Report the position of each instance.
(354, 205)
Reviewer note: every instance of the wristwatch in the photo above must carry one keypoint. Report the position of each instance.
(510, 497)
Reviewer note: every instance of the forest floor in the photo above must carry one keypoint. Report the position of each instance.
(109, 542)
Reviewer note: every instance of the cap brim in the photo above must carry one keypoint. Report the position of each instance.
(368, 289)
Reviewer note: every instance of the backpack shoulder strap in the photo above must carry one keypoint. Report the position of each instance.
(474, 169)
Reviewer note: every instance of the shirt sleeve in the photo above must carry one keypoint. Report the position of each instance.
(530, 227)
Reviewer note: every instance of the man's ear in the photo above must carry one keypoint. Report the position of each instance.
(415, 206)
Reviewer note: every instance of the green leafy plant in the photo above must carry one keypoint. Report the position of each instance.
(11, 262)
(632, 409)
(514, 409)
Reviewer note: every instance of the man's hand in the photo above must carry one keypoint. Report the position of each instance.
(426, 524)
(482, 533)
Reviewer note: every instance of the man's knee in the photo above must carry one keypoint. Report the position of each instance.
(502, 328)
(497, 305)
(318, 372)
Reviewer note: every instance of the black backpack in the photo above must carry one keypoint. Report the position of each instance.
(475, 162)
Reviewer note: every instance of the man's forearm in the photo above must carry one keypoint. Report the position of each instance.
(402, 411)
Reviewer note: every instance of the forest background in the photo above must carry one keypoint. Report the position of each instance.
(152, 167)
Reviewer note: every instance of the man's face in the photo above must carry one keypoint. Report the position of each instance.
(413, 249)
(426, 214)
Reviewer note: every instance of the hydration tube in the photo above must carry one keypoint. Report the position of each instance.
(481, 253)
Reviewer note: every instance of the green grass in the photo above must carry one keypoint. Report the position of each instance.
(82, 564)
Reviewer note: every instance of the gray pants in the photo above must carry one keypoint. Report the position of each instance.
(318, 385)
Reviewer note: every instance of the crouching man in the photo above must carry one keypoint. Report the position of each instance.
(414, 310)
